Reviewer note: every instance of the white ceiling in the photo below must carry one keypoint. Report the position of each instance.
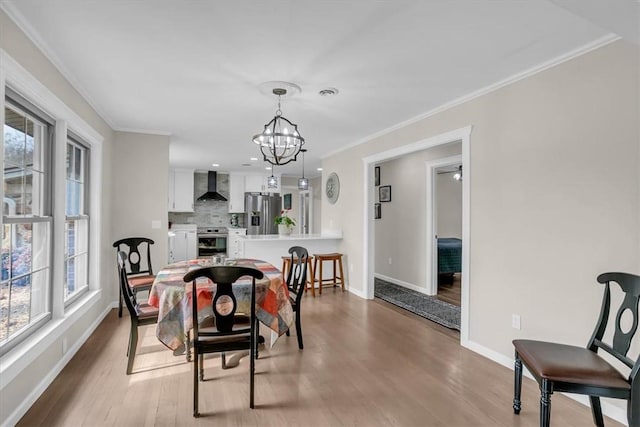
(192, 69)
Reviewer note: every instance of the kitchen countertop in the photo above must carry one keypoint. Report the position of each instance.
(272, 237)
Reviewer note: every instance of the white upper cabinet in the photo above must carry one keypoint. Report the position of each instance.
(236, 192)
(181, 190)
(260, 184)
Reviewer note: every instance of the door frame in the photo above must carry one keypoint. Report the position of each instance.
(368, 244)
(432, 219)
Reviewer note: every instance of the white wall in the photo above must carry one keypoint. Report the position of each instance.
(31, 366)
(555, 195)
(400, 233)
(449, 206)
(140, 191)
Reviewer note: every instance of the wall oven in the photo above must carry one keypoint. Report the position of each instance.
(212, 241)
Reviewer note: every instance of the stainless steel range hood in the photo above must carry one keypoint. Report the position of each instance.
(212, 191)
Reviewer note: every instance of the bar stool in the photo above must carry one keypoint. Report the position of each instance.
(335, 280)
(286, 260)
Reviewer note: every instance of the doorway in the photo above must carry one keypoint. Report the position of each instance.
(444, 222)
(464, 136)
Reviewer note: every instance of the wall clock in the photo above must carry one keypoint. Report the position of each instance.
(332, 188)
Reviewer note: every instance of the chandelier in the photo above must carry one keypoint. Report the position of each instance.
(280, 141)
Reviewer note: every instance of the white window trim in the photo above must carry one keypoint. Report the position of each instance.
(12, 74)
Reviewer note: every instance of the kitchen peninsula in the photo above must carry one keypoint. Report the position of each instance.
(271, 247)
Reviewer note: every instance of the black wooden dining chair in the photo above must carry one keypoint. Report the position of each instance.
(138, 267)
(296, 283)
(565, 368)
(231, 331)
(140, 314)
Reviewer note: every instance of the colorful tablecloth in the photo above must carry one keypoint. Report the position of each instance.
(173, 296)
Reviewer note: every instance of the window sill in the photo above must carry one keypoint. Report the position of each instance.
(16, 360)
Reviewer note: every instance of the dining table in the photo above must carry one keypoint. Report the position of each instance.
(173, 298)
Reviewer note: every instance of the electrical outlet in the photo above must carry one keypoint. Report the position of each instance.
(515, 321)
(351, 268)
(389, 260)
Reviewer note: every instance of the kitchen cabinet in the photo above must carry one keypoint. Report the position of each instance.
(181, 190)
(182, 244)
(236, 192)
(235, 246)
(259, 184)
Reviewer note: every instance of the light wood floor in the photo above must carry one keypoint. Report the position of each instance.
(365, 363)
(451, 293)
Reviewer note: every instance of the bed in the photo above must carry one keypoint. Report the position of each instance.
(449, 259)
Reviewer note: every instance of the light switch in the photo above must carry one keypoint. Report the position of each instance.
(156, 223)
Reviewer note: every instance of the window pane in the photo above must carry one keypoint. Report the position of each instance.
(76, 266)
(4, 310)
(29, 144)
(41, 245)
(24, 289)
(14, 138)
(78, 164)
(76, 230)
(25, 280)
(69, 160)
(13, 203)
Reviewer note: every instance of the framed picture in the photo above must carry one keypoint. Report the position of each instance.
(377, 174)
(385, 193)
(286, 201)
(377, 211)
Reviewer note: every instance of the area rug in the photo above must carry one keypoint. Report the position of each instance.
(423, 305)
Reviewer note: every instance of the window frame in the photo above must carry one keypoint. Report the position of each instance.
(19, 104)
(76, 141)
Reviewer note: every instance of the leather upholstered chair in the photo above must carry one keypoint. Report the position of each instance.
(138, 267)
(296, 283)
(565, 368)
(140, 314)
(231, 331)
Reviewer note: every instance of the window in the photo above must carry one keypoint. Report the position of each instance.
(25, 251)
(76, 278)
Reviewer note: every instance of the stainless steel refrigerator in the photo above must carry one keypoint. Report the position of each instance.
(260, 211)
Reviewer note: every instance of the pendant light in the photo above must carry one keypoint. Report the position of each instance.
(280, 141)
(303, 183)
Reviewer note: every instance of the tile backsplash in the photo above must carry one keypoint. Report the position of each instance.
(209, 212)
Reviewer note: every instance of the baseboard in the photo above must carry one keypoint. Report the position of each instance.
(608, 409)
(400, 283)
(357, 293)
(19, 412)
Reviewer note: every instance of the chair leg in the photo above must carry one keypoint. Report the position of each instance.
(299, 329)
(133, 344)
(201, 366)
(119, 301)
(196, 356)
(252, 368)
(546, 390)
(596, 411)
(517, 384)
(223, 360)
(188, 346)
(257, 338)
(341, 275)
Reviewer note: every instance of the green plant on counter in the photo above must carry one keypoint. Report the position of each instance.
(283, 219)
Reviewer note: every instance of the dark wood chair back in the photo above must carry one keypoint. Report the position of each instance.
(140, 314)
(296, 283)
(571, 369)
(231, 332)
(138, 251)
(619, 346)
(297, 276)
(129, 297)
